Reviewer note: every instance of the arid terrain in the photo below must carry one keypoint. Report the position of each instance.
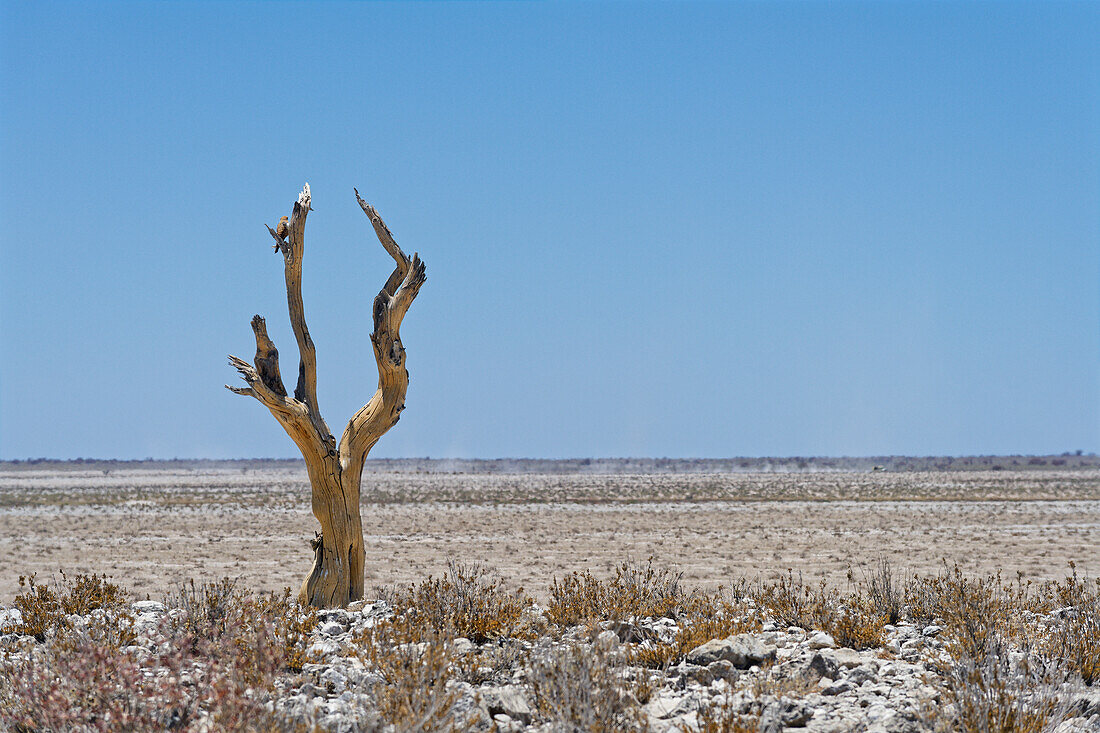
(151, 527)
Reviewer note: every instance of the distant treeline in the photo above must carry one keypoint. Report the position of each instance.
(1066, 461)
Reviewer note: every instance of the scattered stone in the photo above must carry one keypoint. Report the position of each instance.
(838, 688)
(695, 673)
(847, 658)
(148, 607)
(508, 700)
(332, 628)
(607, 640)
(821, 640)
(723, 669)
(822, 665)
(859, 675)
(742, 651)
(10, 620)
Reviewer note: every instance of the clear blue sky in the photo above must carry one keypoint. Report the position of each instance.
(668, 229)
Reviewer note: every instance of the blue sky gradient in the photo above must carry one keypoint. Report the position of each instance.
(667, 229)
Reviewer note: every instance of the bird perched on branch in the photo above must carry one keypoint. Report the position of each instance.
(282, 229)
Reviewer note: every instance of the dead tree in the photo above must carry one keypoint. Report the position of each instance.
(335, 470)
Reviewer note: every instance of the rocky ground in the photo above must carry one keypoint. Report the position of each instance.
(775, 679)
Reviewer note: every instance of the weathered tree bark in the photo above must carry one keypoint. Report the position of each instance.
(335, 469)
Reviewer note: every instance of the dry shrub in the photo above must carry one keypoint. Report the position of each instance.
(415, 663)
(711, 617)
(789, 601)
(467, 601)
(997, 691)
(774, 680)
(1074, 639)
(973, 610)
(211, 611)
(79, 682)
(885, 595)
(494, 662)
(291, 626)
(208, 609)
(579, 688)
(43, 609)
(721, 716)
(853, 623)
(852, 620)
(636, 591)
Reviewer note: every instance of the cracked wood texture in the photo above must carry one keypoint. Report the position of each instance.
(335, 469)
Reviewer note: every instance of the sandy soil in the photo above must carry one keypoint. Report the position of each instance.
(152, 529)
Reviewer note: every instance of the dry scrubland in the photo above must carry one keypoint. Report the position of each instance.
(152, 528)
(871, 631)
(637, 652)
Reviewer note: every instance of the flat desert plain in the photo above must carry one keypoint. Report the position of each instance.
(151, 528)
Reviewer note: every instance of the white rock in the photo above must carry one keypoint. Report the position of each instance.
(148, 607)
(10, 619)
(332, 628)
(608, 640)
(664, 704)
(821, 640)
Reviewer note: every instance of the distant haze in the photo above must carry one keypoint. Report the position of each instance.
(667, 229)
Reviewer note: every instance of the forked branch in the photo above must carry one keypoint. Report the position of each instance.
(389, 308)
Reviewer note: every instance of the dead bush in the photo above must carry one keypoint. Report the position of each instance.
(208, 609)
(415, 664)
(582, 688)
(853, 620)
(494, 662)
(78, 682)
(999, 690)
(43, 609)
(711, 618)
(885, 594)
(1074, 638)
(789, 601)
(635, 591)
(211, 611)
(467, 601)
(721, 716)
(973, 610)
(290, 624)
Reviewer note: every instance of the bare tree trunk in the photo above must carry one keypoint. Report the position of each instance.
(335, 469)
